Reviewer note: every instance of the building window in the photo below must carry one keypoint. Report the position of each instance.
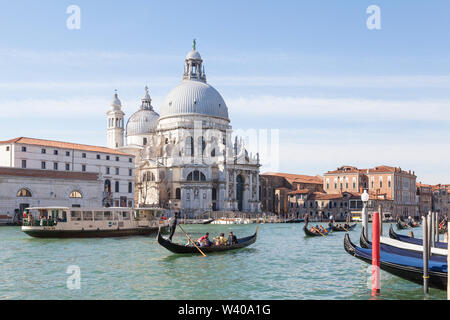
(24, 149)
(130, 160)
(130, 187)
(43, 165)
(43, 151)
(117, 159)
(178, 193)
(107, 170)
(107, 157)
(75, 194)
(55, 152)
(24, 193)
(117, 171)
(7, 148)
(67, 167)
(83, 167)
(130, 172)
(67, 153)
(196, 176)
(148, 176)
(24, 164)
(117, 186)
(83, 155)
(144, 141)
(55, 166)
(98, 157)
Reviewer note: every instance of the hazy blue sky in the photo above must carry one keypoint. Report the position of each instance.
(338, 92)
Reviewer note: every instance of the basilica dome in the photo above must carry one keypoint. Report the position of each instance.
(194, 96)
(143, 121)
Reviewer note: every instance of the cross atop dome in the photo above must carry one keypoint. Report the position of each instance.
(193, 69)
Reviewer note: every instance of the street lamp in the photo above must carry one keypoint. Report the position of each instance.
(365, 216)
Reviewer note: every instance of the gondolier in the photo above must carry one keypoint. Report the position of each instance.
(173, 221)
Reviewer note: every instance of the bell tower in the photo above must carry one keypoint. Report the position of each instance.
(115, 125)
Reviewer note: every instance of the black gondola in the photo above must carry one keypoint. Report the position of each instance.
(341, 228)
(402, 225)
(398, 265)
(394, 235)
(366, 244)
(294, 220)
(177, 248)
(309, 233)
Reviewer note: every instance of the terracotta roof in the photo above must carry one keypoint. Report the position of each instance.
(296, 178)
(63, 145)
(377, 169)
(327, 196)
(301, 191)
(69, 175)
(418, 184)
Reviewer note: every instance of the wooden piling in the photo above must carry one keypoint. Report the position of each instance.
(433, 229)
(425, 254)
(375, 254)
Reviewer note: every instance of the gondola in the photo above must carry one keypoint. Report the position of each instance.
(335, 228)
(315, 234)
(408, 268)
(413, 224)
(207, 221)
(403, 238)
(178, 248)
(413, 250)
(295, 220)
(402, 225)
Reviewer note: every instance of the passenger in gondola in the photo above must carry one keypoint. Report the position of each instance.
(232, 239)
(204, 240)
(220, 240)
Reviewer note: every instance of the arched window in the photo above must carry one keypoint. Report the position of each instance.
(201, 146)
(196, 176)
(24, 193)
(75, 194)
(178, 193)
(189, 146)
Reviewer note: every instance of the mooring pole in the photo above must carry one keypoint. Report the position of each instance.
(433, 238)
(375, 254)
(436, 226)
(448, 256)
(425, 253)
(380, 210)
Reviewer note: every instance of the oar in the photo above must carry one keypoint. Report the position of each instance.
(319, 232)
(192, 241)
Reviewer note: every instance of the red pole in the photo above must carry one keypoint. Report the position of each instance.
(375, 254)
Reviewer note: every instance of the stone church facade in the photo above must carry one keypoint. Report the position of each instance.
(187, 159)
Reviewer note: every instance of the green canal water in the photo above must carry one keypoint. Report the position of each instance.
(282, 264)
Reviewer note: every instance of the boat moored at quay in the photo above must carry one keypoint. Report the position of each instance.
(63, 222)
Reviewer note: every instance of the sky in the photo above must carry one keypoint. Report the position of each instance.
(312, 73)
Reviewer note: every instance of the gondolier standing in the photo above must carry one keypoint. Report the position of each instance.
(173, 221)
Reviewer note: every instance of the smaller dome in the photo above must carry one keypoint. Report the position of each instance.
(141, 122)
(193, 54)
(116, 104)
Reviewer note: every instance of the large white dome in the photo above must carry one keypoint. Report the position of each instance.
(193, 97)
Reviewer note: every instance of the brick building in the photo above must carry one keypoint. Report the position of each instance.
(390, 186)
(274, 189)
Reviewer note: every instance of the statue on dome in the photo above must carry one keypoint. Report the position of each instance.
(194, 45)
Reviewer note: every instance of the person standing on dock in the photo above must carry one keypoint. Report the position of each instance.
(173, 221)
